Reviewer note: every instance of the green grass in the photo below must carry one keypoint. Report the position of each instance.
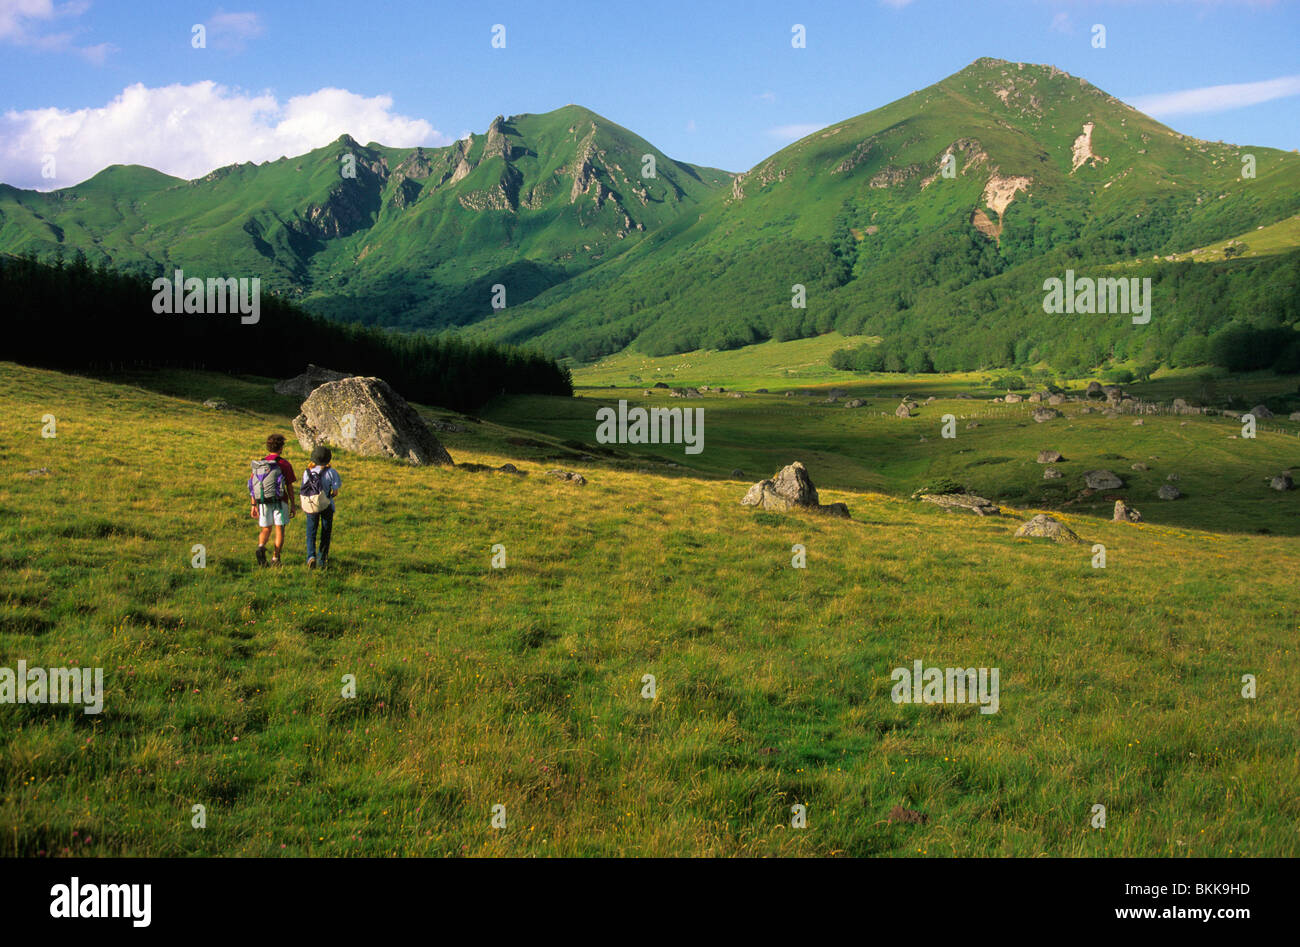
(521, 686)
(800, 361)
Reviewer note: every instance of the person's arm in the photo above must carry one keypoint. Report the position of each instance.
(338, 483)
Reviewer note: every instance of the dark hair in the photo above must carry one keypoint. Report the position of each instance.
(321, 455)
(275, 443)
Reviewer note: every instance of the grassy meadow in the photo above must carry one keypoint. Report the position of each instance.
(521, 686)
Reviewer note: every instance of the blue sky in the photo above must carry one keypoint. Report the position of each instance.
(95, 82)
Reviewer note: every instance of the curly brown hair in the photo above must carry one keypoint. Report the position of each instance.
(275, 443)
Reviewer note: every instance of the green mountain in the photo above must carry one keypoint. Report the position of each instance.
(1047, 172)
(931, 222)
(416, 237)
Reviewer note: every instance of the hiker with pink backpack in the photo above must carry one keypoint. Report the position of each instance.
(271, 490)
(320, 485)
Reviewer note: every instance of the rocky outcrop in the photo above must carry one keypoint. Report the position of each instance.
(366, 416)
(1125, 514)
(1050, 457)
(962, 501)
(1043, 526)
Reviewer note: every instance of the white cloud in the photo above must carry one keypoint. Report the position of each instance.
(232, 30)
(189, 130)
(1061, 23)
(896, 4)
(768, 97)
(27, 23)
(796, 131)
(1217, 98)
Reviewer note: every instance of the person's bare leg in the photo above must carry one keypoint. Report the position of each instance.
(279, 543)
(263, 535)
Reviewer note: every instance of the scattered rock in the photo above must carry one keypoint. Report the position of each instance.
(908, 816)
(1012, 398)
(446, 427)
(1261, 412)
(661, 384)
(962, 501)
(1043, 526)
(1282, 482)
(855, 403)
(1036, 398)
(1045, 414)
(972, 425)
(1140, 466)
(1125, 514)
(1056, 399)
(366, 416)
(1172, 476)
(217, 404)
(39, 472)
(738, 474)
(903, 411)
(1102, 480)
(301, 386)
(790, 488)
(1295, 416)
(1168, 491)
(1138, 421)
(1094, 390)
(1112, 392)
(1050, 457)
(568, 475)
(760, 391)
(1051, 473)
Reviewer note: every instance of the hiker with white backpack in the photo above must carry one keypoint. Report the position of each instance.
(271, 489)
(320, 485)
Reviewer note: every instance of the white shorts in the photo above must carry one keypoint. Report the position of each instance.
(272, 514)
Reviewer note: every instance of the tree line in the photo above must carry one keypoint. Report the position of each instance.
(74, 317)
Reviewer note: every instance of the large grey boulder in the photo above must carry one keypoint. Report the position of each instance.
(1261, 412)
(300, 386)
(1050, 456)
(1094, 390)
(366, 416)
(1282, 482)
(790, 488)
(1168, 491)
(1102, 480)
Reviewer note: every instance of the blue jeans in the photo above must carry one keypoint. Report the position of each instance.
(325, 520)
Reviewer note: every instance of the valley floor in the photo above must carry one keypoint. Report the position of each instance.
(522, 686)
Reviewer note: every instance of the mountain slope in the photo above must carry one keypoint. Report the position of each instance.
(1045, 169)
(415, 237)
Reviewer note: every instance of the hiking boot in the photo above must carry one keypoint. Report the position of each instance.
(261, 555)
(323, 563)
(311, 562)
